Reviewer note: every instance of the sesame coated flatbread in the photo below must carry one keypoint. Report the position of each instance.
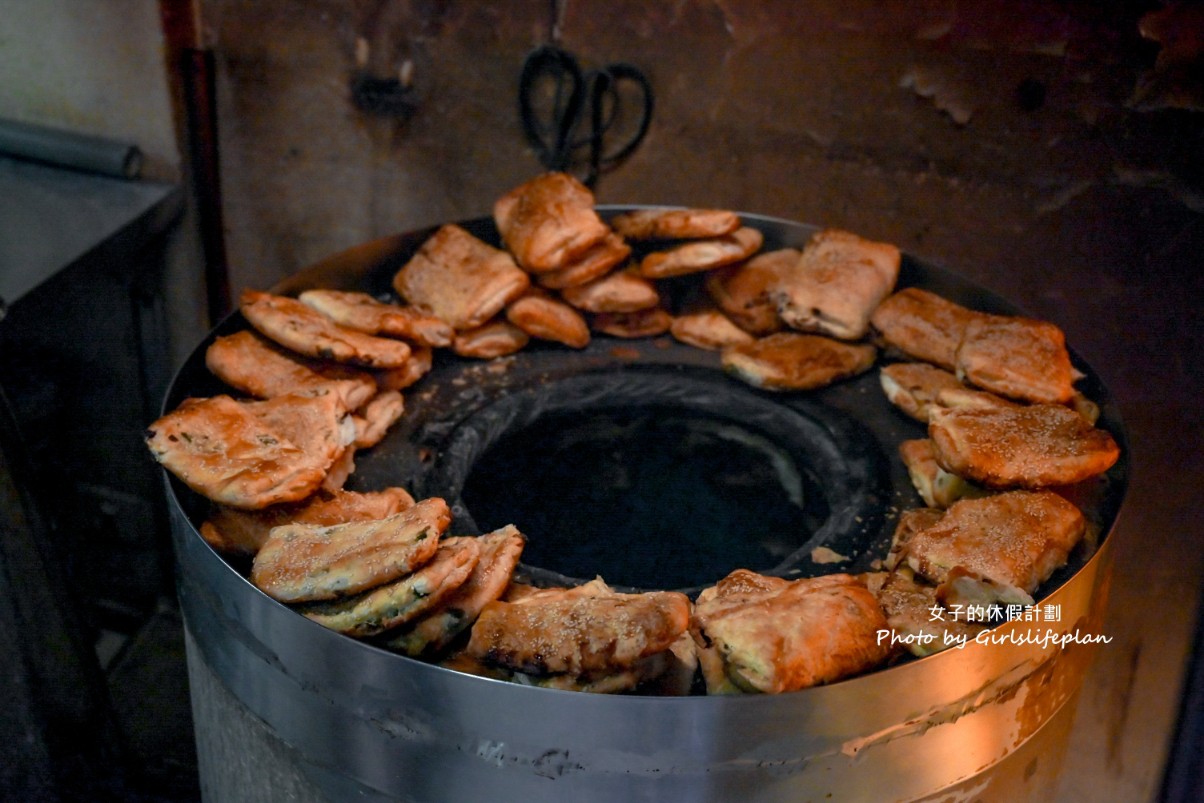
(792, 361)
(392, 605)
(243, 532)
(302, 562)
(432, 633)
(1031, 446)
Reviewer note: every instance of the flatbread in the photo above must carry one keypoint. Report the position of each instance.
(548, 222)
(623, 291)
(696, 256)
(606, 254)
(642, 323)
(460, 279)
(221, 450)
(578, 635)
(675, 224)
(742, 291)
(923, 326)
(1033, 446)
(708, 329)
(997, 549)
(243, 532)
(434, 632)
(913, 387)
(837, 283)
(1016, 357)
(254, 365)
(377, 416)
(774, 635)
(495, 339)
(364, 313)
(305, 562)
(547, 318)
(386, 607)
(310, 333)
(792, 361)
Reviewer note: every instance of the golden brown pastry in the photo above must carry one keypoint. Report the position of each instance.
(1088, 409)
(676, 679)
(962, 397)
(922, 325)
(675, 224)
(708, 329)
(364, 313)
(913, 387)
(836, 284)
(310, 333)
(910, 522)
(495, 339)
(792, 361)
(340, 471)
(520, 593)
(319, 425)
(916, 616)
(251, 363)
(374, 420)
(434, 632)
(303, 562)
(243, 532)
(578, 635)
(221, 450)
(642, 323)
(937, 487)
(394, 604)
(1016, 357)
(548, 222)
(997, 549)
(1032, 446)
(743, 291)
(607, 253)
(547, 318)
(623, 291)
(696, 256)
(419, 364)
(460, 279)
(775, 635)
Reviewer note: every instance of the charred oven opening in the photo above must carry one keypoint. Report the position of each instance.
(654, 479)
(648, 497)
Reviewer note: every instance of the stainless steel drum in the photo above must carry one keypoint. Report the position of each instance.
(286, 709)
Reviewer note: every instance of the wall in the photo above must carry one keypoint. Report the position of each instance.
(98, 68)
(868, 115)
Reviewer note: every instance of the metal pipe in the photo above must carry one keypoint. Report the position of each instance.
(70, 149)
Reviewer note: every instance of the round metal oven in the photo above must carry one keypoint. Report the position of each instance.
(286, 709)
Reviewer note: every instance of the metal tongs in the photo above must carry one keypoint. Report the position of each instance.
(565, 109)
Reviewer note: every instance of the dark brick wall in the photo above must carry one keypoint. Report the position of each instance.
(944, 126)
